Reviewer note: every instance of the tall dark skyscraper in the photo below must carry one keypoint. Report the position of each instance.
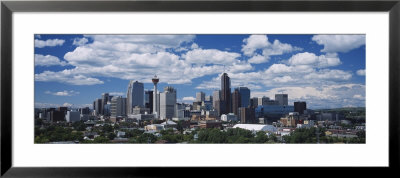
(226, 94)
(236, 101)
(148, 100)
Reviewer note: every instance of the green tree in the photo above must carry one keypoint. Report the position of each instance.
(101, 139)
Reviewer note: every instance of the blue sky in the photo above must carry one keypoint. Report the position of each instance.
(326, 71)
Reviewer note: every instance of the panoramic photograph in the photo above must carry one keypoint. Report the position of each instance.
(199, 89)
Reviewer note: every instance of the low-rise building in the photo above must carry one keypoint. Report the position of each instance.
(229, 117)
(210, 124)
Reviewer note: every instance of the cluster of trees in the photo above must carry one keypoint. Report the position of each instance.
(310, 136)
(304, 135)
(55, 133)
(233, 135)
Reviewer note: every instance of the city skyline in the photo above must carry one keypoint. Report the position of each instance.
(327, 71)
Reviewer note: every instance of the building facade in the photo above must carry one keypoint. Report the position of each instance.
(167, 103)
(244, 93)
(200, 96)
(148, 100)
(135, 95)
(226, 100)
(300, 107)
(282, 99)
(236, 101)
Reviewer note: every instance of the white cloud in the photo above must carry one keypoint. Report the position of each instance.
(66, 76)
(339, 43)
(258, 59)
(307, 58)
(49, 42)
(324, 96)
(63, 93)
(210, 56)
(80, 41)
(188, 98)
(194, 46)
(358, 96)
(67, 105)
(139, 57)
(283, 79)
(327, 74)
(48, 60)
(54, 105)
(260, 42)
(361, 72)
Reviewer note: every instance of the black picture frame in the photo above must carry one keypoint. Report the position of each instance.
(8, 7)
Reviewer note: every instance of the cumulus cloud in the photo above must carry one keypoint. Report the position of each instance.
(260, 42)
(80, 41)
(66, 76)
(48, 60)
(139, 57)
(63, 93)
(49, 42)
(361, 72)
(213, 56)
(321, 96)
(339, 43)
(321, 61)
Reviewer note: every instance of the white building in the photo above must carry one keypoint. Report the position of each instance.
(200, 96)
(73, 116)
(256, 127)
(229, 117)
(167, 103)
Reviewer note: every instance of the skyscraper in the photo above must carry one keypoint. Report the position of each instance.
(236, 101)
(244, 96)
(247, 116)
(217, 101)
(98, 106)
(135, 95)
(155, 80)
(200, 96)
(167, 103)
(104, 100)
(148, 100)
(118, 106)
(225, 94)
(263, 101)
(209, 98)
(282, 99)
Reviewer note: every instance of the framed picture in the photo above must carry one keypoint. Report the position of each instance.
(111, 85)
